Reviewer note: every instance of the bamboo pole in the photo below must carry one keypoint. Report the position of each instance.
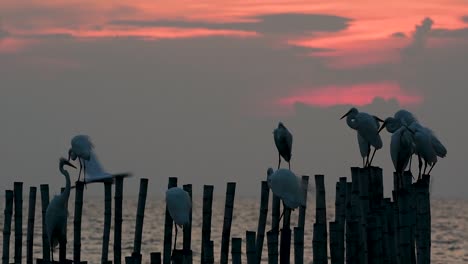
(298, 245)
(236, 250)
(77, 221)
(272, 240)
(356, 210)
(424, 220)
(364, 175)
(374, 237)
(352, 239)
(44, 205)
(388, 215)
(155, 257)
(285, 240)
(207, 211)
(18, 192)
(177, 256)
(168, 227)
(250, 247)
(107, 221)
(404, 226)
(334, 238)
(30, 233)
(209, 257)
(275, 213)
(140, 215)
(319, 242)
(7, 226)
(265, 193)
(118, 220)
(302, 208)
(375, 187)
(228, 210)
(340, 218)
(188, 230)
(351, 252)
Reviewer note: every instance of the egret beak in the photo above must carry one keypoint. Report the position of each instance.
(378, 119)
(345, 115)
(69, 164)
(382, 127)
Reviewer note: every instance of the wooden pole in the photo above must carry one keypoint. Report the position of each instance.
(388, 215)
(188, 230)
(209, 256)
(285, 240)
(302, 209)
(334, 250)
(364, 175)
(272, 240)
(30, 233)
(118, 220)
(155, 258)
(228, 210)
(265, 193)
(356, 213)
(340, 218)
(7, 226)
(298, 245)
(351, 225)
(177, 256)
(77, 221)
(168, 227)
(107, 221)
(206, 225)
(140, 215)
(236, 250)
(250, 247)
(44, 205)
(424, 220)
(404, 226)
(275, 213)
(319, 241)
(18, 192)
(375, 240)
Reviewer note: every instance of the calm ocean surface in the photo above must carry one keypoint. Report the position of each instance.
(449, 228)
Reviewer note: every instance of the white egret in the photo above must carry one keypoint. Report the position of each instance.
(96, 173)
(401, 145)
(179, 205)
(81, 148)
(283, 141)
(286, 185)
(367, 127)
(405, 116)
(57, 212)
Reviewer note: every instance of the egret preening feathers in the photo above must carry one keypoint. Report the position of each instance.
(367, 127)
(81, 148)
(179, 205)
(96, 173)
(57, 211)
(283, 141)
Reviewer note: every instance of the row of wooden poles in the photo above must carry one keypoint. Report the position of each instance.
(368, 228)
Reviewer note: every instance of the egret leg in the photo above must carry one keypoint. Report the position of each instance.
(363, 162)
(425, 167)
(410, 159)
(370, 163)
(279, 160)
(289, 165)
(84, 174)
(433, 164)
(175, 239)
(420, 166)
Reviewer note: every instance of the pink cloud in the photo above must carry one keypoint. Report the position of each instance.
(359, 95)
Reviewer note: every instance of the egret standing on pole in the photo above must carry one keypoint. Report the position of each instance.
(285, 184)
(367, 127)
(57, 212)
(81, 148)
(179, 205)
(96, 173)
(283, 141)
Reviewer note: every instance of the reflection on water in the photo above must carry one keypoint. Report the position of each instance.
(449, 228)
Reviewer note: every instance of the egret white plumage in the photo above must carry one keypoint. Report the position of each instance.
(401, 145)
(81, 148)
(367, 127)
(179, 205)
(57, 211)
(283, 141)
(286, 185)
(96, 173)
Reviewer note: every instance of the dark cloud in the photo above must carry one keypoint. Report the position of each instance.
(269, 24)
(450, 33)
(399, 35)
(419, 37)
(465, 18)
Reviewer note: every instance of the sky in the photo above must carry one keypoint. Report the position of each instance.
(194, 89)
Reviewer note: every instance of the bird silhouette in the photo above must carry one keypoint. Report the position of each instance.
(57, 212)
(283, 141)
(81, 148)
(179, 205)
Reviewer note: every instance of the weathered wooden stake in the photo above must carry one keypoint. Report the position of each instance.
(44, 204)
(118, 220)
(209, 256)
(319, 242)
(351, 224)
(236, 250)
(374, 240)
(364, 175)
(272, 240)
(424, 220)
(77, 221)
(18, 192)
(7, 226)
(188, 230)
(107, 221)
(140, 215)
(334, 250)
(206, 225)
(285, 240)
(298, 245)
(275, 213)
(250, 247)
(265, 193)
(168, 228)
(228, 210)
(340, 218)
(155, 257)
(30, 233)
(404, 226)
(302, 209)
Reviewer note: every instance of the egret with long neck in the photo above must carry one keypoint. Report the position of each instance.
(57, 211)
